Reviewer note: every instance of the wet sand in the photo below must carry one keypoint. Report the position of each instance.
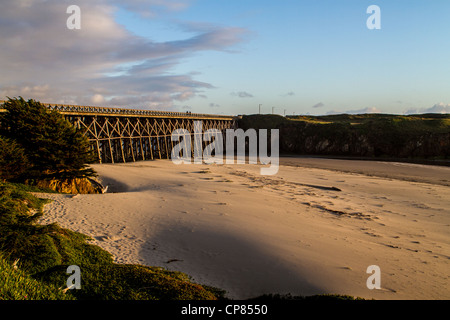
(433, 174)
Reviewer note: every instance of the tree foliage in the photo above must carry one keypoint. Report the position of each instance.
(53, 147)
(13, 161)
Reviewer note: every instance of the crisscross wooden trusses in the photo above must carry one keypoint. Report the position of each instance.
(124, 135)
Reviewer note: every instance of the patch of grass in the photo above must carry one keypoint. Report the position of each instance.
(16, 284)
(31, 188)
(130, 282)
(45, 251)
(430, 123)
(39, 247)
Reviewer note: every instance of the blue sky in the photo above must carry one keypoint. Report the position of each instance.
(211, 56)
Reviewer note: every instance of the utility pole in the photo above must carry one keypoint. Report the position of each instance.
(273, 109)
(285, 112)
(260, 108)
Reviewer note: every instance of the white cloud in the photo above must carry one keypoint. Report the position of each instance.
(318, 105)
(97, 99)
(101, 63)
(412, 111)
(149, 8)
(36, 91)
(242, 94)
(359, 111)
(437, 108)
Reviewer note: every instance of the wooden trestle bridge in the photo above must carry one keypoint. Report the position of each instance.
(126, 135)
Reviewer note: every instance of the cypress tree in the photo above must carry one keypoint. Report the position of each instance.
(54, 148)
(13, 161)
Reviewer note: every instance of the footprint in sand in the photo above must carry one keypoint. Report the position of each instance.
(101, 238)
(373, 235)
(173, 260)
(391, 246)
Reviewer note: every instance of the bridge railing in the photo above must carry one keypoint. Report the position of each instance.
(65, 108)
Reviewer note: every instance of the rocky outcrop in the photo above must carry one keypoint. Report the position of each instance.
(298, 140)
(72, 186)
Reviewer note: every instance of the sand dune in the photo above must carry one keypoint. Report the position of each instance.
(303, 231)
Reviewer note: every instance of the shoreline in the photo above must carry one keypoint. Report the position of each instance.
(228, 227)
(427, 173)
(436, 162)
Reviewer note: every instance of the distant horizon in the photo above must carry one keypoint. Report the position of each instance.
(247, 114)
(235, 57)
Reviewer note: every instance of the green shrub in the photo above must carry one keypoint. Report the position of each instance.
(13, 161)
(130, 282)
(53, 146)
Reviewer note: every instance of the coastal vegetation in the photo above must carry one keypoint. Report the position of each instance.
(38, 146)
(40, 151)
(34, 259)
(422, 136)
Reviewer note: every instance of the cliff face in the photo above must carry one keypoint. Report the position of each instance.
(71, 186)
(367, 136)
(300, 141)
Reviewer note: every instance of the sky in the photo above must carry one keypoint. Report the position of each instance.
(288, 57)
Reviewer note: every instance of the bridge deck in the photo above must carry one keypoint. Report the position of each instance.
(123, 135)
(123, 112)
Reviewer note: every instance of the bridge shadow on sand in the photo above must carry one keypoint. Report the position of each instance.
(229, 261)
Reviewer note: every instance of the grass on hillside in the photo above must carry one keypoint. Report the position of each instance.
(435, 123)
(432, 123)
(44, 252)
(367, 135)
(16, 284)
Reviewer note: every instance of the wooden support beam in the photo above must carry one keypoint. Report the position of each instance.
(132, 138)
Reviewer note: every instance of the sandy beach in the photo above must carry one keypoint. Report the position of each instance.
(312, 228)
